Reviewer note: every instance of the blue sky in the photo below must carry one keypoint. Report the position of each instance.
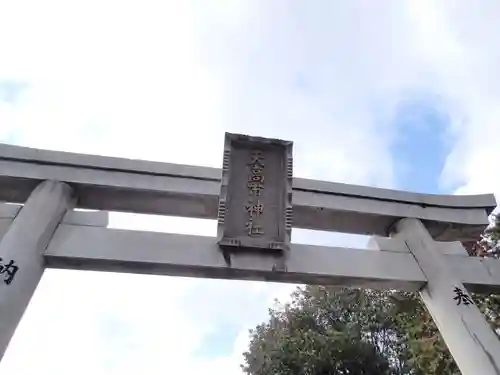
(421, 147)
(10, 91)
(401, 95)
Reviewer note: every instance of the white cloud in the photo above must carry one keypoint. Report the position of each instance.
(162, 80)
(109, 73)
(148, 76)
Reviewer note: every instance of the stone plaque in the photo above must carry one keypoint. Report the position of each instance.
(255, 203)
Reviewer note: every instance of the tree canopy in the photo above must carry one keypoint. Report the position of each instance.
(327, 330)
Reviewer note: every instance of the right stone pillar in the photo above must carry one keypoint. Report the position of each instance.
(471, 341)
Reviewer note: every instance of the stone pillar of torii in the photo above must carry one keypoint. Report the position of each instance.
(416, 238)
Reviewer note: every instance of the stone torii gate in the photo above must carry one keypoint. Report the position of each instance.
(416, 237)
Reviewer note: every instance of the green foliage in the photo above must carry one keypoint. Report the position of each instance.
(335, 331)
(328, 331)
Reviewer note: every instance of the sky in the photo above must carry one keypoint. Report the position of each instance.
(395, 94)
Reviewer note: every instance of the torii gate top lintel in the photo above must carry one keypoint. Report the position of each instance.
(119, 184)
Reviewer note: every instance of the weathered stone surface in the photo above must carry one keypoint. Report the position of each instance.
(21, 252)
(255, 204)
(470, 339)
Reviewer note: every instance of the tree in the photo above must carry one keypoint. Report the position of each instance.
(329, 331)
(326, 330)
(426, 352)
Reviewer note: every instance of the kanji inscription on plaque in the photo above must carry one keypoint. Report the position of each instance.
(255, 203)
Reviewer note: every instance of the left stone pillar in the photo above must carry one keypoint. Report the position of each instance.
(21, 252)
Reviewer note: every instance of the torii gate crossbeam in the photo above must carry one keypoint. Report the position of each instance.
(115, 184)
(46, 232)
